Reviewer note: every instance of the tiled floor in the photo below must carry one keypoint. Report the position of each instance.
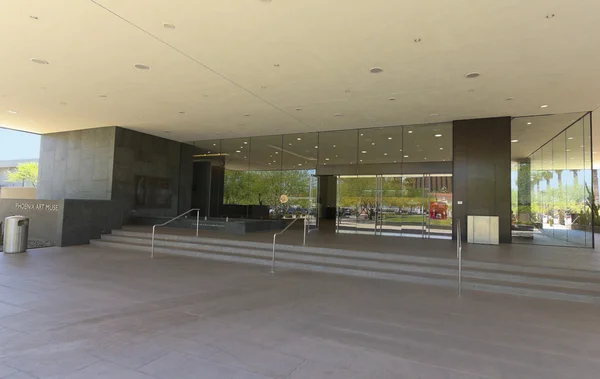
(84, 312)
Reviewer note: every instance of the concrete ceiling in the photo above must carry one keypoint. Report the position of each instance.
(233, 68)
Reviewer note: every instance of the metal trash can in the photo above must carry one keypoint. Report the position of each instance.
(16, 232)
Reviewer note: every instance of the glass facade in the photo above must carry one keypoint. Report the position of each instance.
(259, 170)
(553, 200)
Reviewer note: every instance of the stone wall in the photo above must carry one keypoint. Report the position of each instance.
(77, 164)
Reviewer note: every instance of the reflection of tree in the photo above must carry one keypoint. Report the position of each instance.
(245, 187)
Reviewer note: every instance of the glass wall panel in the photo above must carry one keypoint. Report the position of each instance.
(265, 153)
(559, 189)
(300, 151)
(236, 152)
(209, 147)
(338, 148)
(380, 145)
(427, 143)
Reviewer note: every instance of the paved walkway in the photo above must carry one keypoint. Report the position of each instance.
(85, 312)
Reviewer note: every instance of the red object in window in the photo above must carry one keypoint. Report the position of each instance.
(438, 211)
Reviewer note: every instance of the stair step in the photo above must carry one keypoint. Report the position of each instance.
(515, 284)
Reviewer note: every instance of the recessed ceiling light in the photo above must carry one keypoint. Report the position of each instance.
(417, 40)
(392, 99)
(384, 153)
(406, 156)
(361, 160)
(168, 26)
(326, 159)
(142, 67)
(299, 164)
(209, 152)
(290, 144)
(544, 106)
(472, 75)
(181, 112)
(63, 103)
(434, 115)
(514, 140)
(373, 143)
(298, 109)
(299, 139)
(247, 114)
(277, 152)
(316, 147)
(425, 158)
(39, 61)
(509, 98)
(568, 150)
(410, 132)
(438, 135)
(214, 144)
(400, 150)
(237, 151)
(102, 95)
(361, 134)
(529, 123)
(13, 112)
(166, 131)
(333, 145)
(376, 70)
(364, 151)
(276, 65)
(441, 148)
(245, 142)
(551, 15)
(337, 115)
(389, 137)
(34, 17)
(324, 164)
(571, 138)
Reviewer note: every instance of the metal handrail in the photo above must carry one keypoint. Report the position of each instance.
(459, 256)
(283, 231)
(173, 219)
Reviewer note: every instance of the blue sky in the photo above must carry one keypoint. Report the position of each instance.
(18, 145)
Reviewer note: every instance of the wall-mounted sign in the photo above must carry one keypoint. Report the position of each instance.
(37, 207)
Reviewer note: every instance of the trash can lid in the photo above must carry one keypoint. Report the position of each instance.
(17, 218)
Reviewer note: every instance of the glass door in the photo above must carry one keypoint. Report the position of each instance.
(391, 198)
(356, 204)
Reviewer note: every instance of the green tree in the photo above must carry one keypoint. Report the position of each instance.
(26, 172)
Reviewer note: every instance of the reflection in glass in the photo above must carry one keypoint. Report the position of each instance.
(338, 148)
(553, 191)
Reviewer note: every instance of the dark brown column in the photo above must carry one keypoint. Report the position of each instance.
(482, 172)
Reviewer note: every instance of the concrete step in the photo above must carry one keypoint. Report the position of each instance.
(436, 271)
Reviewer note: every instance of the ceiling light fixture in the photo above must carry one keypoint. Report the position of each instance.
(102, 95)
(410, 132)
(472, 75)
(544, 106)
(509, 98)
(406, 156)
(441, 148)
(299, 139)
(438, 135)
(34, 17)
(245, 142)
(392, 99)
(376, 70)
(39, 61)
(551, 15)
(63, 103)
(298, 109)
(237, 151)
(373, 143)
(247, 114)
(514, 141)
(337, 115)
(571, 138)
(384, 153)
(326, 159)
(142, 67)
(389, 137)
(434, 115)
(417, 40)
(364, 151)
(529, 123)
(168, 26)
(181, 112)
(316, 147)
